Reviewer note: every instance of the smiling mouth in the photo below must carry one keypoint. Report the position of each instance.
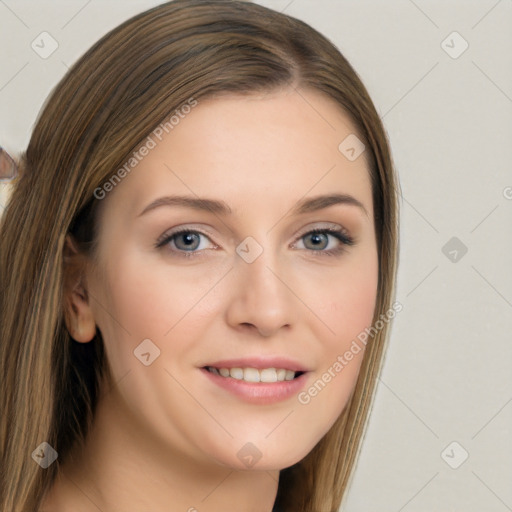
(266, 375)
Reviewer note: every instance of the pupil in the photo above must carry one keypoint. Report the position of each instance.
(316, 237)
(188, 238)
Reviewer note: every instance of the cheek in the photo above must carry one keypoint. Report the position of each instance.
(347, 302)
(349, 313)
(351, 308)
(138, 301)
(346, 307)
(128, 310)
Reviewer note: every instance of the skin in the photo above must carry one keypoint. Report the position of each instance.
(164, 437)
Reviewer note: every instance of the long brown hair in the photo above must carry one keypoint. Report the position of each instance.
(98, 114)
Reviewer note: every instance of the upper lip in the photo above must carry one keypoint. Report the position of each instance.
(260, 363)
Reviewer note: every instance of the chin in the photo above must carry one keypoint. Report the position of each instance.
(249, 457)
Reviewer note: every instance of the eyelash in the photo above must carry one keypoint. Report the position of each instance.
(340, 234)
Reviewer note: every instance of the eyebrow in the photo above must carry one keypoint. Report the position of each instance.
(307, 205)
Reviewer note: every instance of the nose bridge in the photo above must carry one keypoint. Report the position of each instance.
(261, 297)
(258, 263)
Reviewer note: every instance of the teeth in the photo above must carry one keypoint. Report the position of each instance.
(251, 375)
(236, 373)
(255, 375)
(268, 375)
(289, 375)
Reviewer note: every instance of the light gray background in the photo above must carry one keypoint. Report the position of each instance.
(447, 374)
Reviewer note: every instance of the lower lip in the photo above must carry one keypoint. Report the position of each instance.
(259, 392)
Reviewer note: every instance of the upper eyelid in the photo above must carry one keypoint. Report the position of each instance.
(327, 226)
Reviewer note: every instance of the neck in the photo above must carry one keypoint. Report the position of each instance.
(120, 467)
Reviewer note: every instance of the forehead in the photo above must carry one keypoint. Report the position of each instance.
(250, 151)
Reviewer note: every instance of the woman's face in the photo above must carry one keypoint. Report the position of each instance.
(245, 286)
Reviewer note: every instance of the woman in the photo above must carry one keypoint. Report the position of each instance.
(174, 333)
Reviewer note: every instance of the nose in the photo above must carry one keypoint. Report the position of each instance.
(262, 300)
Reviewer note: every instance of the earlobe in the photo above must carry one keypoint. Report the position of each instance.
(78, 314)
(79, 318)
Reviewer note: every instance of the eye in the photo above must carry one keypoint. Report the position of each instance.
(185, 241)
(319, 237)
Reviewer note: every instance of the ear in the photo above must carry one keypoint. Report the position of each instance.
(78, 315)
(8, 167)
